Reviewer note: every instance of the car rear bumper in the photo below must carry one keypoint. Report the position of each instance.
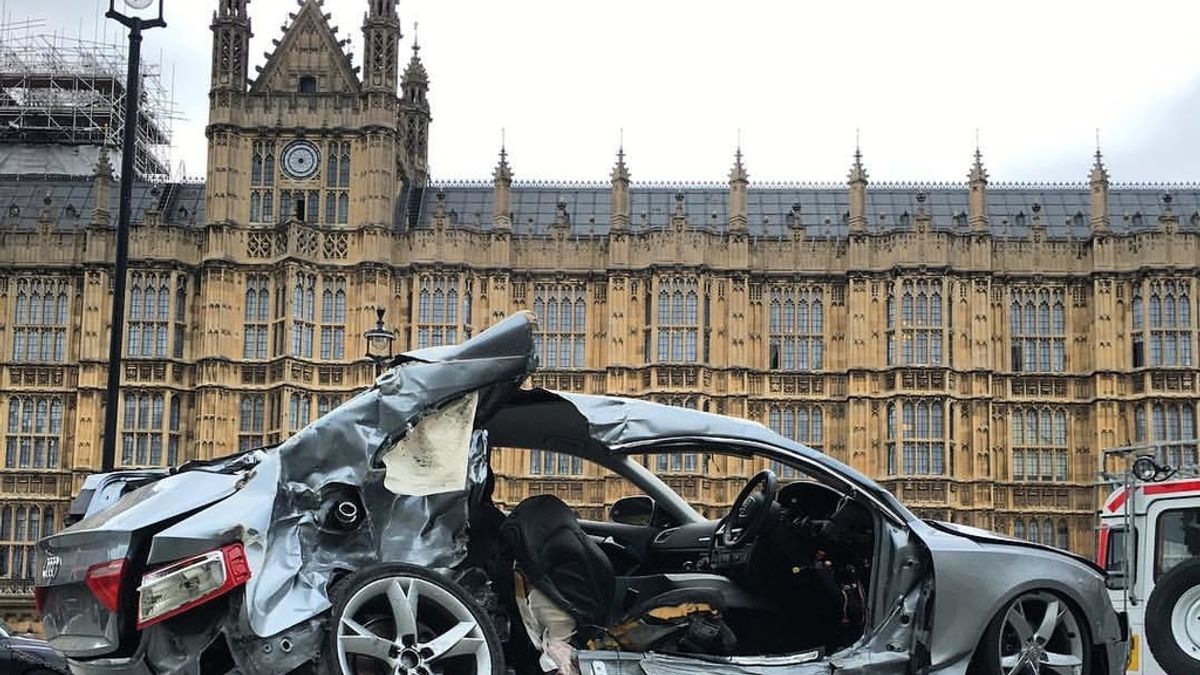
(134, 665)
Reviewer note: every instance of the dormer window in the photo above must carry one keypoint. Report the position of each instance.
(1077, 219)
(308, 84)
(1019, 220)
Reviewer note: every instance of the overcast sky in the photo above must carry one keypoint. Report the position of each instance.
(681, 77)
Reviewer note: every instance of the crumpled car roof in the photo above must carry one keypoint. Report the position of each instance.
(590, 425)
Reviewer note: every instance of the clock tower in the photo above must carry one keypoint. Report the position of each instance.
(310, 138)
(313, 162)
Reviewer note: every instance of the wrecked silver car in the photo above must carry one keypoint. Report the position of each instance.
(369, 543)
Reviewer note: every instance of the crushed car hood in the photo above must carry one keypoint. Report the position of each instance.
(987, 536)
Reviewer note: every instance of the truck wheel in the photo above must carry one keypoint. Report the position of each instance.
(395, 618)
(1173, 619)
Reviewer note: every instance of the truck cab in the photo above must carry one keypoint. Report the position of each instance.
(1149, 543)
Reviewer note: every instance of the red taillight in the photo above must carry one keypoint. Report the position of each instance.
(104, 580)
(180, 586)
(39, 598)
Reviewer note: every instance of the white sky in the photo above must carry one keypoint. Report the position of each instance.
(682, 76)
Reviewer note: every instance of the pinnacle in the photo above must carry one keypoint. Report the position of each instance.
(978, 174)
(738, 172)
(503, 171)
(620, 171)
(857, 173)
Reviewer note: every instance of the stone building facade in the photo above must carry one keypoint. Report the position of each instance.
(973, 346)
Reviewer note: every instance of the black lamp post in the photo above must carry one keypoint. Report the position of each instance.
(379, 342)
(141, 19)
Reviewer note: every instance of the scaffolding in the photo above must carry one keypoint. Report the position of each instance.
(57, 90)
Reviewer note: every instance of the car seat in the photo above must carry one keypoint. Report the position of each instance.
(567, 592)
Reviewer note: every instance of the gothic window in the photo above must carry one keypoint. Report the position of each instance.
(1162, 327)
(437, 311)
(299, 410)
(307, 84)
(326, 403)
(337, 183)
(256, 315)
(797, 327)
(174, 429)
(40, 320)
(303, 298)
(149, 314)
(252, 421)
(1037, 317)
(1062, 538)
(21, 525)
(560, 339)
(262, 181)
(147, 426)
(915, 337)
(34, 434)
(678, 320)
(800, 423)
(916, 443)
(1039, 444)
(333, 318)
(180, 316)
(549, 463)
(1172, 430)
(1018, 530)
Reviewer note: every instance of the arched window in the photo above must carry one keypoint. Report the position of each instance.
(1019, 528)
(1063, 535)
(308, 84)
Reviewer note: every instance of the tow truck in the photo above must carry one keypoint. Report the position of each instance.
(1149, 542)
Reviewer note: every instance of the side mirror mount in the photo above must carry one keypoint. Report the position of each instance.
(638, 510)
(1115, 580)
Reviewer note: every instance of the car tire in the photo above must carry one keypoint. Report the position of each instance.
(1068, 636)
(1175, 598)
(452, 635)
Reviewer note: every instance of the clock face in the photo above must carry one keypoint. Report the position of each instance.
(300, 160)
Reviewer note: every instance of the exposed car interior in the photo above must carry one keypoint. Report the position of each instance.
(786, 570)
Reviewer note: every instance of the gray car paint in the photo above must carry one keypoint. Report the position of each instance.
(293, 561)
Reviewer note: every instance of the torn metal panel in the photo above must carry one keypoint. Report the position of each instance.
(800, 664)
(432, 458)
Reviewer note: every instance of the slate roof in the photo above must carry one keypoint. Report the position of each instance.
(22, 201)
(823, 208)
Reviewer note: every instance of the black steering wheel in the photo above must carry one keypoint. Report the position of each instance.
(750, 511)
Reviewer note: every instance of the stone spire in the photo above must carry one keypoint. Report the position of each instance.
(502, 192)
(415, 116)
(620, 191)
(1098, 183)
(381, 42)
(977, 179)
(739, 179)
(857, 180)
(231, 42)
(102, 190)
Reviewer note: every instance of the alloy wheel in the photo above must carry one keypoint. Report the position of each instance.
(402, 625)
(1040, 634)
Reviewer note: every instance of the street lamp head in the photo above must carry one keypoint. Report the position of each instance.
(141, 13)
(379, 340)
